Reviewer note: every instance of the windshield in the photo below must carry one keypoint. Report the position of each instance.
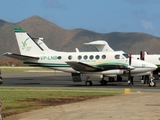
(125, 55)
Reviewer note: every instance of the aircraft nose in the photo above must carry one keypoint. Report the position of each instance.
(153, 66)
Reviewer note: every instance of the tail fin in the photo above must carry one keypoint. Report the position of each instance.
(40, 42)
(101, 46)
(26, 44)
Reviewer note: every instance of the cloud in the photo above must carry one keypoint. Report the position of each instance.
(53, 4)
(147, 25)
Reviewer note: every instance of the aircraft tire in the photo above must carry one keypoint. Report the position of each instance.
(88, 83)
(152, 84)
(1, 81)
(119, 78)
(103, 82)
(111, 79)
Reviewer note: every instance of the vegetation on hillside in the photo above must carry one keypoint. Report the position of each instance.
(61, 39)
(10, 62)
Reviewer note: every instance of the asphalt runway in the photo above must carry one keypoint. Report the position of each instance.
(59, 79)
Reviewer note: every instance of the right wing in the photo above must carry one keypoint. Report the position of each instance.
(20, 57)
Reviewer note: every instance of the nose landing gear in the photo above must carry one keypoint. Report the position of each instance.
(152, 83)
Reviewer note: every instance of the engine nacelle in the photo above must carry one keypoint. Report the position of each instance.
(109, 73)
(93, 75)
(113, 72)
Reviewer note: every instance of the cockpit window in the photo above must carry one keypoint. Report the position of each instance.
(117, 56)
(126, 55)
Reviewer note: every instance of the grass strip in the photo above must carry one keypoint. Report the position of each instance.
(22, 99)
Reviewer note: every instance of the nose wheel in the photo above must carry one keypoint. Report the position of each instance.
(152, 83)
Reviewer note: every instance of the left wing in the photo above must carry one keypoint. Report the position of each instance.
(79, 66)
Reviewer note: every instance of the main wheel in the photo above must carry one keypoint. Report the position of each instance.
(88, 83)
(152, 84)
(111, 79)
(1, 81)
(119, 78)
(103, 82)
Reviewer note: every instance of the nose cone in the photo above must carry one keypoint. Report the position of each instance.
(151, 66)
(146, 66)
(155, 67)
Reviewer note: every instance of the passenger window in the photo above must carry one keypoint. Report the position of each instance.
(79, 57)
(59, 57)
(97, 57)
(117, 56)
(85, 57)
(70, 57)
(91, 57)
(103, 56)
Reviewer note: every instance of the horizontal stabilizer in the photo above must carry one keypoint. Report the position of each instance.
(79, 66)
(20, 57)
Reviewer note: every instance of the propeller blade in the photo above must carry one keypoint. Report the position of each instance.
(130, 67)
(141, 55)
(130, 58)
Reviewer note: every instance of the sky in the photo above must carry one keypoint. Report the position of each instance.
(102, 16)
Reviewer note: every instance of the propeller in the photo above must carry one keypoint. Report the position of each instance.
(142, 58)
(141, 55)
(130, 81)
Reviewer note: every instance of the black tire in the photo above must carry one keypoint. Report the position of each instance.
(111, 79)
(88, 83)
(119, 78)
(152, 84)
(1, 81)
(103, 82)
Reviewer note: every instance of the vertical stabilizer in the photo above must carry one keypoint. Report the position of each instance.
(40, 42)
(26, 44)
(101, 45)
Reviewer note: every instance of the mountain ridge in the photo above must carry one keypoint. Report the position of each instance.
(61, 39)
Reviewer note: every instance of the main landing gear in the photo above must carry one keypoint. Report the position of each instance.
(88, 82)
(103, 82)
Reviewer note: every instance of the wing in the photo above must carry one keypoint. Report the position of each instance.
(20, 57)
(79, 66)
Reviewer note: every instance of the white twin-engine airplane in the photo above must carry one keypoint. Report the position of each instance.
(34, 52)
(102, 46)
